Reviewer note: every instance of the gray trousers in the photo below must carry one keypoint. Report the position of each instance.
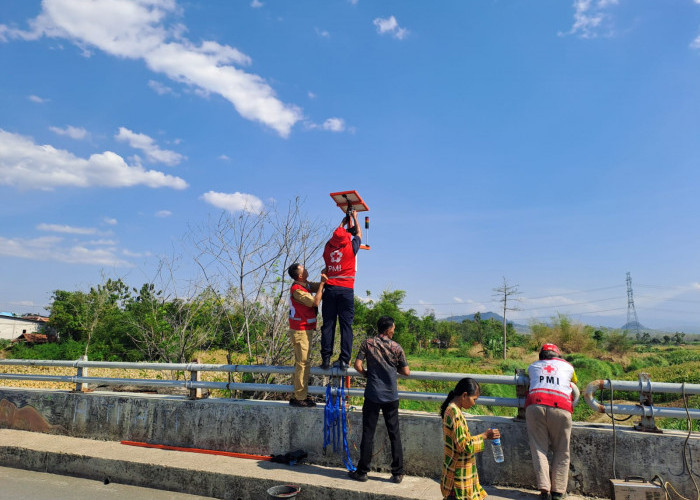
(548, 426)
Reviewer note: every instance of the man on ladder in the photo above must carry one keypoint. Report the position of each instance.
(340, 257)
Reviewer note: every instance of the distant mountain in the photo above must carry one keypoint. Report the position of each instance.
(489, 315)
(633, 326)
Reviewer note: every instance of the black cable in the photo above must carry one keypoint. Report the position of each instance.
(685, 443)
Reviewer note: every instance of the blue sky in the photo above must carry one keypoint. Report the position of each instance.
(550, 142)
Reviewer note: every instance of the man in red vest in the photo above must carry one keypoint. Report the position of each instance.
(340, 258)
(303, 308)
(548, 410)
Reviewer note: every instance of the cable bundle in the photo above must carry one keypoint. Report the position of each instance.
(335, 422)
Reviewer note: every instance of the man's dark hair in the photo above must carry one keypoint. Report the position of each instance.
(384, 323)
(548, 355)
(293, 270)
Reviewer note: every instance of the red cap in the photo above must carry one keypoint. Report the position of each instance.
(550, 347)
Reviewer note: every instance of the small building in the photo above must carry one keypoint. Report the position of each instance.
(32, 338)
(11, 327)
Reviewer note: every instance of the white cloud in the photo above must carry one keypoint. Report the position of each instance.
(27, 303)
(334, 124)
(234, 202)
(77, 133)
(458, 300)
(163, 213)
(36, 98)
(111, 221)
(28, 165)
(224, 158)
(129, 253)
(159, 88)
(61, 228)
(50, 248)
(390, 26)
(101, 242)
(322, 33)
(591, 17)
(256, 4)
(311, 95)
(137, 30)
(149, 147)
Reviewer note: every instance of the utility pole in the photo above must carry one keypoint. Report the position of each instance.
(503, 294)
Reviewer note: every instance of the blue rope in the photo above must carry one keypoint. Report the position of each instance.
(333, 412)
(346, 459)
(328, 418)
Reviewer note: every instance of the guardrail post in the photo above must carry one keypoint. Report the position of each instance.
(646, 401)
(195, 376)
(520, 391)
(82, 372)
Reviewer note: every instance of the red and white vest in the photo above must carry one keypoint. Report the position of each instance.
(550, 384)
(340, 260)
(301, 317)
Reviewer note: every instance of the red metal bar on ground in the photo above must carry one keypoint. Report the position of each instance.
(198, 450)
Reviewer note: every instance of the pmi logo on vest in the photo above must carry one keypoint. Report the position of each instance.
(335, 256)
(549, 378)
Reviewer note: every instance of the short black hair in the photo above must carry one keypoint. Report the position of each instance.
(384, 323)
(548, 355)
(293, 270)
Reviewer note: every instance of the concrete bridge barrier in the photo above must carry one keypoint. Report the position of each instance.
(273, 427)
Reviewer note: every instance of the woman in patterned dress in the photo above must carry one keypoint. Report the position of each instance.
(459, 479)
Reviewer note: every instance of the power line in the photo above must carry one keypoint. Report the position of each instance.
(577, 292)
(571, 304)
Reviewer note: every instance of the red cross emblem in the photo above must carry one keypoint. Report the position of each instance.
(549, 369)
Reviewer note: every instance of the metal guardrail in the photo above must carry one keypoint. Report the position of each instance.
(519, 379)
(645, 408)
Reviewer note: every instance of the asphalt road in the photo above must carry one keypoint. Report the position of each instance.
(18, 484)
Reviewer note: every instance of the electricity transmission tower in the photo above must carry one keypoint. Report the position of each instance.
(632, 321)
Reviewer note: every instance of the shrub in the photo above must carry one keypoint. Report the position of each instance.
(593, 369)
(640, 363)
(568, 336)
(679, 356)
(618, 343)
(70, 349)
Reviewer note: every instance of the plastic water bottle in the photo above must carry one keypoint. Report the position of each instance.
(497, 450)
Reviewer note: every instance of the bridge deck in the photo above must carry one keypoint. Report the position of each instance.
(207, 475)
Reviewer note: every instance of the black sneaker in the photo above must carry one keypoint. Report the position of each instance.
(558, 496)
(357, 476)
(325, 364)
(396, 478)
(544, 495)
(342, 365)
(304, 403)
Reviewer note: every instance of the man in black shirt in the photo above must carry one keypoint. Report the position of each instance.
(385, 358)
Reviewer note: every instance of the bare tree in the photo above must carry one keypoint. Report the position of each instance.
(247, 254)
(505, 294)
